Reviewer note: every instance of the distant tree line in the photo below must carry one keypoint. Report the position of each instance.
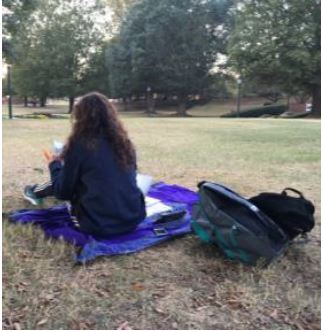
(170, 49)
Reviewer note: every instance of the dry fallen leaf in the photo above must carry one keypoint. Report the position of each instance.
(100, 293)
(80, 324)
(137, 287)
(104, 274)
(202, 308)
(174, 325)
(235, 304)
(159, 310)
(274, 314)
(16, 326)
(42, 322)
(124, 326)
(48, 298)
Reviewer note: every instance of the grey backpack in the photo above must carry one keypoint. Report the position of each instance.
(236, 226)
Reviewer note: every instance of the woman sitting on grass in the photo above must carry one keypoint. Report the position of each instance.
(96, 171)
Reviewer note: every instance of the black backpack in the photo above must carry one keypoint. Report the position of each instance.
(295, 215)
(238, 227)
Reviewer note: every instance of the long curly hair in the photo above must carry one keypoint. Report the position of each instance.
(94, 116)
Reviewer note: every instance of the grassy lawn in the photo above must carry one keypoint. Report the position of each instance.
(181, 284)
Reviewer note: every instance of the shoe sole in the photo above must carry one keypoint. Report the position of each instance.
(30, 200)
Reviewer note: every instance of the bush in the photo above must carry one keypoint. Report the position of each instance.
(258, 111)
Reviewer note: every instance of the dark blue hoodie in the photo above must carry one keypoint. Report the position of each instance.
(104, 196)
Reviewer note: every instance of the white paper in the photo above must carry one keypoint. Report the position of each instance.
(154, 206)
(151, 201)
(57, 148)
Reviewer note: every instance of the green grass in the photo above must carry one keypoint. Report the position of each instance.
(181, 284)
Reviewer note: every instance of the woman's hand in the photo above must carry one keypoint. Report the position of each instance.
(49, 157)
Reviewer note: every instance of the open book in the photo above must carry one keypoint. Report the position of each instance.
(154, 206)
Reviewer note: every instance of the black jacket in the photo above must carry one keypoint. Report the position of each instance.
(104, 196)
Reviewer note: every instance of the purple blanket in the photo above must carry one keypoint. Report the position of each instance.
(56, 223)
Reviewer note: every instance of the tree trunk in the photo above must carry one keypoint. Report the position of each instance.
(26, 101)
(181, 110)
(71, 104)
(288, 102)
(316, 101)
(126, 103)
(42, 102)
(150, 104)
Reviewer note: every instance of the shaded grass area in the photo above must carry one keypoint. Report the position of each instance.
(21, 110)
(181, 284)
(214, 108)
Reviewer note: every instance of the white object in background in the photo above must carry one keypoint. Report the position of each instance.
(144, 182)
(157, 208)
(57, 148)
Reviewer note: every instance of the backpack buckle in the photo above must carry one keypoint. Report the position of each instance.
(160, 231)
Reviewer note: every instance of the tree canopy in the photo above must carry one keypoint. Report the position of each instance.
(53, 58)
(278, 42)
(128, 48)
(168, 47)
(15, 14)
